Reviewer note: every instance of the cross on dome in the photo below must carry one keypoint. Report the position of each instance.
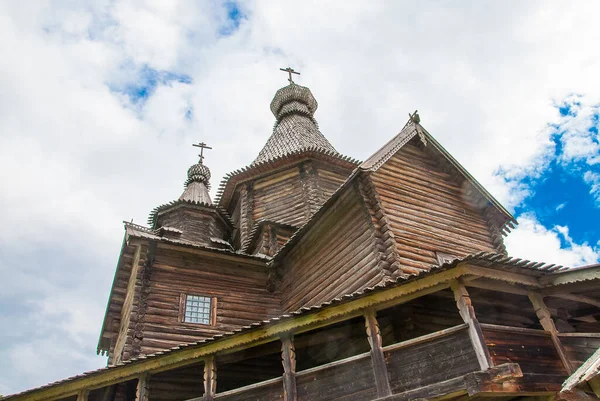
(290, 71)
(202, 146)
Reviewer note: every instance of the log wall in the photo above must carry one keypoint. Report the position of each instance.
(240, 290)
(430, 362)
(279, 197)
(579, 349)
(353, 380)
(197, 225)
(178, 384)
(333, 258)
(428, 210)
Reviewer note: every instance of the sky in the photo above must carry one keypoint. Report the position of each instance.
(100, 102)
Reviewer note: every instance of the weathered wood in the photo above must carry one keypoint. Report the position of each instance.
(481, 382)
(463, 301)
(382, 381)
(210, 378)
(433, 361)
(579, 298)
(446, 389)
(190, 355)
(288, 359)
(425, 338)
(82, 395)
(548, 324)
(142, 391)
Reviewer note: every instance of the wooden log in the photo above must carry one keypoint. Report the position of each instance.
(382, 380)
(543, 314)
(210, 378)
(288, 359)
(142, 391)
(467, 312)
(82, 395)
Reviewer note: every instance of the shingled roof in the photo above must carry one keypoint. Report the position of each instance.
(295, 128)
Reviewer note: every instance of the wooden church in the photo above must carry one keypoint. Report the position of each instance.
(313, 276)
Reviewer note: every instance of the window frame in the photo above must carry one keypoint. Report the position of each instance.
(212, 311)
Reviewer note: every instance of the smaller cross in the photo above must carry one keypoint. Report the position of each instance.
(202, 146)
(290, 71)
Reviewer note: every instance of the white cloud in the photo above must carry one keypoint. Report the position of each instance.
(531, 240)
(77, 158)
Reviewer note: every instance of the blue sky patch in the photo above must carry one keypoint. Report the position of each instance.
(562, 194)
(147, 81)
(234, 17)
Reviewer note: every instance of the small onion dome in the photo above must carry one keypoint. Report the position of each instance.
(198, 173)
(293, 99)
(197, 185)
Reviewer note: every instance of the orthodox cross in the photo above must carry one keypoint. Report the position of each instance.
(290, 71)
(202, 146)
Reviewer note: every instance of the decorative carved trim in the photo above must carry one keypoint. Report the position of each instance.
(385, 241)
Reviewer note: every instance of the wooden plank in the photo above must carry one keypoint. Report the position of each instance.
(382, 381)
(467, 312)
(142, 391)
(210, 378)
(547, 323)
(82, 395)
(425, 338)
(288, 355)
(438, 391)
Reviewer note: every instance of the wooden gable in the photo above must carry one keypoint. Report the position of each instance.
(334, 256)
(429, 209)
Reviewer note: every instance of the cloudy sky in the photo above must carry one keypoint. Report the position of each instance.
(100, 101)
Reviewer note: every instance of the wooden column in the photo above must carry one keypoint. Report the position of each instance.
(288, 359)
(82, 395)
(382, 380)
(467, 312)
(210, 378)
(543, 314)
(142, 390)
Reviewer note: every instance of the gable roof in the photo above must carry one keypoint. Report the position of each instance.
(409, 131)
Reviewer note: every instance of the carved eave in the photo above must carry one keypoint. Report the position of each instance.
(230, 184)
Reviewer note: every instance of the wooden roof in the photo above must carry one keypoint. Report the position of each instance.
(295, 128)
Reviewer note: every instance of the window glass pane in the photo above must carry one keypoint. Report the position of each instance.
(197, 309)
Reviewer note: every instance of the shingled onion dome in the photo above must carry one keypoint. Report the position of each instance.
(295, 129)
(197, 185)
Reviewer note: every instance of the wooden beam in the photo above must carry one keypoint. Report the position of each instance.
(82, 395)
(545, 318)
(210, 378)
(495, 285)
(579, 298)
(142, 391)
(595, 385)
(467, 312)
(288, 359)
(382, 381)
(571, 276)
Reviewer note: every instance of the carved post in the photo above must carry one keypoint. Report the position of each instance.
(467, 312)
(142, 392)
(382, 381)
(210, 378)
(288, 359)
(82, 395)
(545, 318)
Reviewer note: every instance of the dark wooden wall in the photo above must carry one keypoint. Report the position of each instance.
(240, 289)
(333, 258)
(428, 210)
(279, 197)
(431, 362)
(352, 380)
(178, 384)
(579, 349)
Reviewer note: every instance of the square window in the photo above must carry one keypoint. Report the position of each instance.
(198, 309)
